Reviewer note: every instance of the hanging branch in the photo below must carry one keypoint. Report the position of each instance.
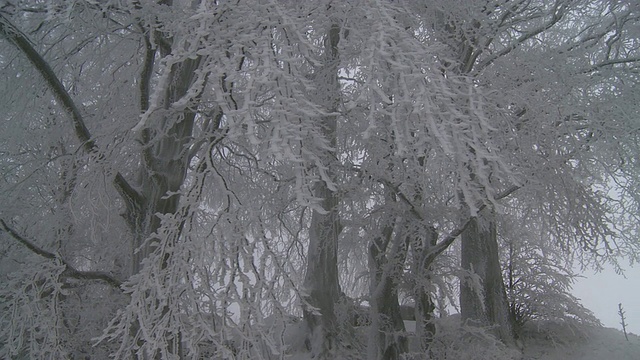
(70, 270)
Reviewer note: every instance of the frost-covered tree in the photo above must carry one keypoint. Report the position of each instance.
(182, 128)
(511, 107)
(204, 172)
(582, 46)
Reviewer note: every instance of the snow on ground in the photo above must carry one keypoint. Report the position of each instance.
(540, 341)
(558, 342)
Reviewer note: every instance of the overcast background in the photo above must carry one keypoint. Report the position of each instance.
(602, 292)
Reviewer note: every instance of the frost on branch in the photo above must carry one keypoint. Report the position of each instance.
(32, 312)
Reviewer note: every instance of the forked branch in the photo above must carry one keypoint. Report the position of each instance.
(447, 241)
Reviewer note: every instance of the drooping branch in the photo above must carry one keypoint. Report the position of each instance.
(22, 42)
(70, 270)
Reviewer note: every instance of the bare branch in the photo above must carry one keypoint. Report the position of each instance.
(70, 270)
(20, 40)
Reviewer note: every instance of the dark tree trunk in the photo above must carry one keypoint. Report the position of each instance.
(162, 172)
(321, 284)
(164, 166)
(388, 338)
(424, 306)
(480, 257)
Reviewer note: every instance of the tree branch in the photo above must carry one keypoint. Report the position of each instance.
(610, 62)
(558, 12)
(70, 270)
(447, 241)
(22, 42)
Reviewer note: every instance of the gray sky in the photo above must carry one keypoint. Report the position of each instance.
(602, 292)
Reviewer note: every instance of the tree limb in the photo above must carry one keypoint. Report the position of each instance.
(610, 62)
(447, 241)
(22, 42)
(70, 270)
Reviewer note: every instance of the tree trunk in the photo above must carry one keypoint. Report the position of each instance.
(479, 256)
(161, 174)
(424, 306)
(321, 284)
(164, 166)
(387, 339)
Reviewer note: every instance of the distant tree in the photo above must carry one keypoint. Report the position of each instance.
(623, 321)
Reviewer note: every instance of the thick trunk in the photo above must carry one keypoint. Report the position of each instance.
(321, 281)
(480, 257)
(321, 284)
(160, 178)
(164, 166)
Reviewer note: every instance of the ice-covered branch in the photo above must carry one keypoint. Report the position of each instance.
(449, 239)
(611, 62)
(70, 270)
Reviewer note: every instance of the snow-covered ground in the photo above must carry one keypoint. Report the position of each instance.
(556, 342)
(539, 341)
